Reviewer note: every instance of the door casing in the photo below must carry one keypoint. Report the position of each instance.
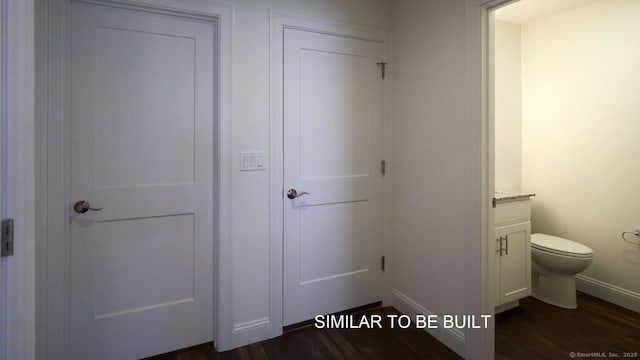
(480, 48)
(53, 165)
(17, 318)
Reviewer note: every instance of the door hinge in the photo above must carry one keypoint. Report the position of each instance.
(383, 66)
(7, 237)
(383, 167)
(493, 201)
(382, 262)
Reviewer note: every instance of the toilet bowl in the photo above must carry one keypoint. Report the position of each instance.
(555, 263)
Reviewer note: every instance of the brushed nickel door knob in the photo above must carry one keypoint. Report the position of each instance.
(82, 206)
(293, 193)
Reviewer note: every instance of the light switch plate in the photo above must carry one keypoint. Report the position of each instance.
(253, 161)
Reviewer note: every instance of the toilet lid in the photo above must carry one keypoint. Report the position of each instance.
(557, 244)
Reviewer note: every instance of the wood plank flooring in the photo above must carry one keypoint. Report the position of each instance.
(310, 343)
(534, 330)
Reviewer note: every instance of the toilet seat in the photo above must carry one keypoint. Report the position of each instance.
(559, 246)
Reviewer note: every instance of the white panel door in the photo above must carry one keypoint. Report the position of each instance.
(142, 130)
(333, 151)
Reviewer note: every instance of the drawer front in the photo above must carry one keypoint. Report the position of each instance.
(510, 212)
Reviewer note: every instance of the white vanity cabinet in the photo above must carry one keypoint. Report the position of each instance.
(513, 251)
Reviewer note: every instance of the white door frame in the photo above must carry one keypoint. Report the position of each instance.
(17, 324)
(280, 21)
(480, 47)
(52, 107)
(3, 151)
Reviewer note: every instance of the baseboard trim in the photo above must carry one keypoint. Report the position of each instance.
(507, 306)
(251, 332)
(611, 293)
(454, 339)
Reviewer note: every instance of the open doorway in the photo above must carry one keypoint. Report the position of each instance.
(561, 117)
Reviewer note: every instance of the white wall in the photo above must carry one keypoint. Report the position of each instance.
(581, 143)
(430, 157)
(250, 132)
(508, 107)
(435, 143)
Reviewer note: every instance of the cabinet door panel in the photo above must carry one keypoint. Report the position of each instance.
(515, 262)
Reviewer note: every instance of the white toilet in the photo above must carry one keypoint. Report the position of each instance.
(555, 262)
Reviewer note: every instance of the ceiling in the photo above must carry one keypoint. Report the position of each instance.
(525, 11)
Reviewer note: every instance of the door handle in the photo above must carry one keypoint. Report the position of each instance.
(293, 193)
(499, 240)
(82, 206)
(506, 247)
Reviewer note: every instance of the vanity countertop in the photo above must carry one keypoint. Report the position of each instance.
(508, 196)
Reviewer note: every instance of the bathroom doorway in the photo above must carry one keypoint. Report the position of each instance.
(561, 120)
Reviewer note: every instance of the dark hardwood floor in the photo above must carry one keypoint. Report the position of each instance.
(310, 343)
(534, 330)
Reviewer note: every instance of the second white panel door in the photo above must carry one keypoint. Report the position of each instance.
(333, 151)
